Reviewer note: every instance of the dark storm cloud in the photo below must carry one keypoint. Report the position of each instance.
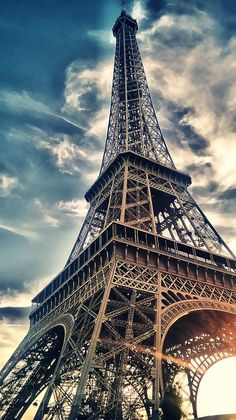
(205, 168)
(209, 188)
(229, 194)
(184, 134)
(14, 314)
(227, 201)
(197, 143)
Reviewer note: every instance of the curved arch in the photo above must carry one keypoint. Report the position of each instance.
(66, 321)
(198, 340)
(177, 310)
(32, 366)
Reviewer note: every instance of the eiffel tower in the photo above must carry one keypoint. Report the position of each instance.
(147, 297)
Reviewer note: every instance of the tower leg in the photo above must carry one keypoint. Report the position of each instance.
(157, 386)
(40, 412)
(89, 357)
(192, 398)
(33, 370)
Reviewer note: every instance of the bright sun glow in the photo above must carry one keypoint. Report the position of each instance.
(217, 390)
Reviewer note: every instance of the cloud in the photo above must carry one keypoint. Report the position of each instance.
(65, 153)
(13, 314)
(75, 207)
(69, 157)
(7, 184)
(139, 11)
(87, 93)
(229, 194)
(19, 231)
(23, 102)
(186, 76)
(191, 78)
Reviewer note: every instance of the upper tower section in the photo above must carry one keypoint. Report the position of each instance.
(133, 124)
(124, 19)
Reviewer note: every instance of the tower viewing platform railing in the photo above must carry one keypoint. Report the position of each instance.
(116, 240)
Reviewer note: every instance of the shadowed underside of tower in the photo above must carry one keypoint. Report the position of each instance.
(148, 292)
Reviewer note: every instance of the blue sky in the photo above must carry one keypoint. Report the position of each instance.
(56, 73)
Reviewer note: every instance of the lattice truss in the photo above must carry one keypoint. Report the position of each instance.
(109, 365)
(30, 375)
(211, 342)
(132, 124)
(107, 348)
(146, 201)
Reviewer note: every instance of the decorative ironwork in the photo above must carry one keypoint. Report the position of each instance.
(124, 317)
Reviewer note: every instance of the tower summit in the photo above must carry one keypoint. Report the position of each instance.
(148, 291)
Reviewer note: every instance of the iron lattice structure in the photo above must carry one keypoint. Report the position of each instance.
(148, 293)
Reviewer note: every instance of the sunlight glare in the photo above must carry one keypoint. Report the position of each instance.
(217, 391)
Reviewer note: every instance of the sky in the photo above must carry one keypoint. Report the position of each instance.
(55, 85)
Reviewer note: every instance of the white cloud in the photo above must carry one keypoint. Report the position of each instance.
(193, 77)
(64, 151)
(99, 123)
(7, 184)
(76, 207)
(69, 157)
(46, 217)
(139, 10)
(200, 77)
(24, 102)
(82, 81)
(27, 233)
(16, 300)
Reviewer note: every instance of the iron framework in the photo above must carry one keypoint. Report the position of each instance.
(148, 293)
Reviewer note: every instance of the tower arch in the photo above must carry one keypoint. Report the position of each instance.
(32, 366)
(193, 343)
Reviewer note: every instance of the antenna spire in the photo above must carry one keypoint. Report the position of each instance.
(123, 5)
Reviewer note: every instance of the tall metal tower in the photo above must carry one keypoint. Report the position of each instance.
(148, 294)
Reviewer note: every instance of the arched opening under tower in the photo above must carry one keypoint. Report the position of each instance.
(32, 373)
(194, 343)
